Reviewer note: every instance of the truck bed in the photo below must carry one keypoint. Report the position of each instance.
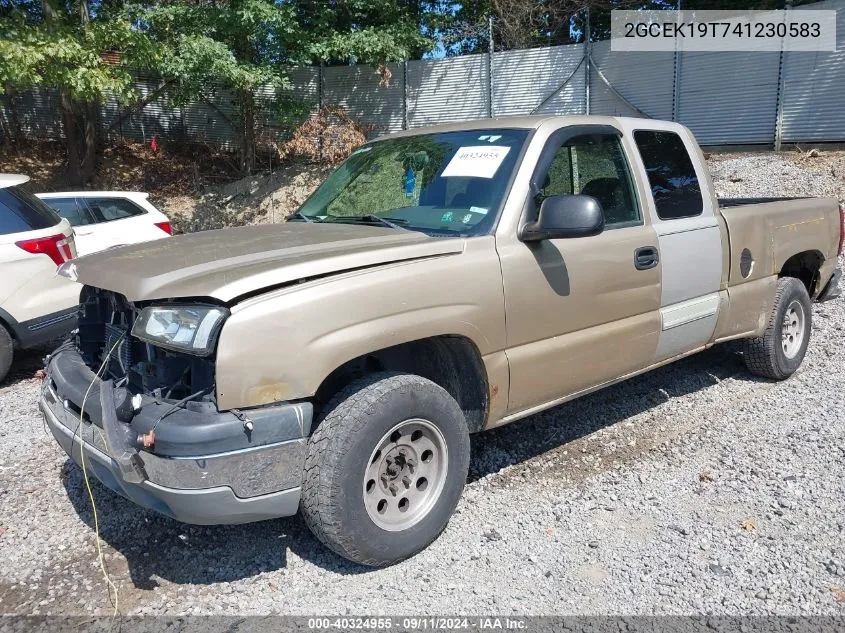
(772, 230)
(725, 203)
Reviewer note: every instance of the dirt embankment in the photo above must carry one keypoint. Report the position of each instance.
(197, 187)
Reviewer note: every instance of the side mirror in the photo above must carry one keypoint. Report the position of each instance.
(565, 216)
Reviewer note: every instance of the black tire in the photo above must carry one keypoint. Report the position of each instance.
(765, 355)
(338, 460)
(7, 352)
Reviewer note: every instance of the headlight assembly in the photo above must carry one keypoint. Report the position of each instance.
(192, 329)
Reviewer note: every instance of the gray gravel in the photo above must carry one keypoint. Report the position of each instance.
(694, 489)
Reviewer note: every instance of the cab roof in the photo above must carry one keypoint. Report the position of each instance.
(511, 122)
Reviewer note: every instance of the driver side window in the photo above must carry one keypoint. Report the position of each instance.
(595, 165)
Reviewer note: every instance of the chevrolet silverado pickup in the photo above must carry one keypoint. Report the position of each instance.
(440, 282)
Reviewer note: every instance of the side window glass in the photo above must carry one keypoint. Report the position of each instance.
(68, 209)
(108, 209)
(595, 165)
(671, 175)
(20, 211)
(559, 179)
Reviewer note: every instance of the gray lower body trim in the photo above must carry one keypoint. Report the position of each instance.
(49, 327)
(213, 504)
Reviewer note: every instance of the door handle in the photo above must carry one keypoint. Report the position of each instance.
(645, 258)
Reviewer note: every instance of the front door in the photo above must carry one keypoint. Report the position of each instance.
(583, 311)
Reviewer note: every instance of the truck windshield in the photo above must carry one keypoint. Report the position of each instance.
(451, 183)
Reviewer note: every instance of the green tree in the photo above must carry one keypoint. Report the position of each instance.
(83, 51)
(365, 31)
(239, 45)
(93, 50)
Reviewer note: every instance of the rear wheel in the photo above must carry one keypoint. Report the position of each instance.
(385, 468)
(781, 349)
(7, 352)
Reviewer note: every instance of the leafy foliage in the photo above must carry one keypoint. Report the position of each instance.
(66, 54)
(92, 51)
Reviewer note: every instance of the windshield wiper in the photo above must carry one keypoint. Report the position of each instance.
(393, 223)
(296, 215)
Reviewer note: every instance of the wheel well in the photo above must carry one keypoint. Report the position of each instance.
(12, 334)
(453, 362)
(805, 267)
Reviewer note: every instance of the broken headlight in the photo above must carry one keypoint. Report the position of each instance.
(192, 329)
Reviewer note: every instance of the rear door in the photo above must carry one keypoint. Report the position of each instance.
(75, 212)
(119, 221)
(688, 234)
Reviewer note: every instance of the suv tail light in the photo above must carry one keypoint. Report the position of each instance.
(56, 247)
(164, 226)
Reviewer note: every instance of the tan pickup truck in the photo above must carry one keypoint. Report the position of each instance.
(441, 282)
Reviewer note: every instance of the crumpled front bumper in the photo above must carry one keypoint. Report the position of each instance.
(208, 468)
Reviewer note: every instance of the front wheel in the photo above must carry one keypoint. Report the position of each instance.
(779, 352)
(385, 468)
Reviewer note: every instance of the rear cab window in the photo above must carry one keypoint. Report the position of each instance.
(671, 175)
(109, 209)
(21, 211)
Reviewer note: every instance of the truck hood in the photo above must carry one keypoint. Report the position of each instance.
(230, 263)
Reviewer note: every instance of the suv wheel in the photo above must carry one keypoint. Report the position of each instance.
(7, 352)
(779, 352)
(385, 468)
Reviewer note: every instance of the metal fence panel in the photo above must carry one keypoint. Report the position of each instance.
(729, 97)
(304, 85)
(212, 120)
(535, 80)
(156, 119)
(360, 91)
(813, 98)
(644, 80)
(110, 120)
(446, 90)
(38, 113)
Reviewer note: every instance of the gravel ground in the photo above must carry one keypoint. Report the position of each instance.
(696, 488)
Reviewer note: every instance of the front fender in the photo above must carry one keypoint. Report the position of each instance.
(282, 345)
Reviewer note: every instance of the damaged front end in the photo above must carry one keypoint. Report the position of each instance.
(151, 429)
(105, 335)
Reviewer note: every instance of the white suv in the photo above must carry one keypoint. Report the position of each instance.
(104, 219)
(36, 305)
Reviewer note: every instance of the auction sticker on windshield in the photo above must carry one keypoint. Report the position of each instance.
(477, 161)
